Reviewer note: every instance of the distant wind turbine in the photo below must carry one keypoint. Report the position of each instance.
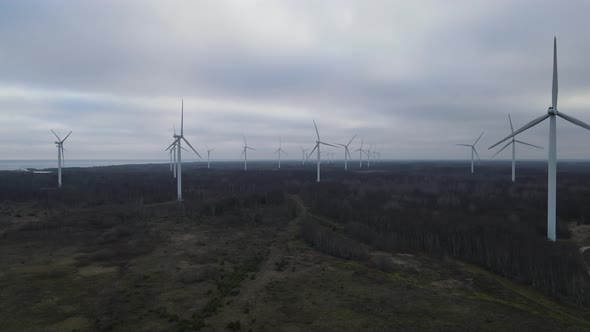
(513, 143)
(303, 155)
(368, 153)
(318, 142)
(178, 144)
(245, 153)
(209, 155)
(279, 151)
(552, 114)
(346, 152)
(360, 150)
(60, 153)
(473, 150)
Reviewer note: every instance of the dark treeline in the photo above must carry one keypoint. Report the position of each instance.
(485, 221)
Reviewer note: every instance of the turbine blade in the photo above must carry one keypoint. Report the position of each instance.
(510, 119)
(312, 151)
(185, 149)
(189, 144)
(316, 130)
(353, 137)
(182, 117)
(574, 120)
(505, 146)
(250, 148)
(59, 139)
(529, 144)
(173, 144)
(523, 128)
(244, 137)
(243, 151)
(555, 84)
(465, 145)
(68, 135)
(336, 146)
(474, 150)
(478, 138)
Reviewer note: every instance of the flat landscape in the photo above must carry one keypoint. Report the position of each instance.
(398, 246)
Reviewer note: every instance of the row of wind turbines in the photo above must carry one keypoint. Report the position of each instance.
(175, 149)
(175, 153)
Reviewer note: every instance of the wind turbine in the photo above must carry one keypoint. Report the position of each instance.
(178, 146)
(317, 147)
(303, 155)
(208, 155)
(473, 150)
(245, 153)
(360, 150)
(279, 150)
(346, 152)
(513, 143)
(368, 152)
(60, 152)
(552, 114)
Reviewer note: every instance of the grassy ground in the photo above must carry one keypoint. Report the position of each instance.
(213, 274)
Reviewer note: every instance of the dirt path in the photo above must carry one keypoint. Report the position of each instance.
(250, 303)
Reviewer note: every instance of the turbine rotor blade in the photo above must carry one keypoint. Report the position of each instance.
(316, 130)
(478, 138)
(189, 144)
(68, 135)
(523, 128)
(173, 144)
(574, 120)
(59, 139)
(474, 150)
(182, 117)
(312, 151)
(336, 146)
(505, 146)
(525, 143)
(555, 83)
(353, 137)
(465, 145)
(510, 119)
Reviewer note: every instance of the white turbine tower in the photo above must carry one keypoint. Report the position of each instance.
(209, 155)
(317, 147)
(552, 114)
(360, 150)
(513, 143)
(60, 153)
(245, 153)
(346, 152)
(178, 146)
(473, 150)
(279, 151)
(368, 152)
(303, 155)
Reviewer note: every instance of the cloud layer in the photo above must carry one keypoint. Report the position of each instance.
(414, 78)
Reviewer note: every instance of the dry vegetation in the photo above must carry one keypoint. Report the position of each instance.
(244, 253)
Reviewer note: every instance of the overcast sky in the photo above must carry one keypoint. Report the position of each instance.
(412, 77)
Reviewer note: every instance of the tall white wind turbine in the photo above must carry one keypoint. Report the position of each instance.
(346, 152)
(360, 150)
(318, 142)
(552, 114)
(178, 145)
(60, 153)
(209, 155)
(513, 142)
(245, 153)
(473, 150)
(303, 155)
(279, 151)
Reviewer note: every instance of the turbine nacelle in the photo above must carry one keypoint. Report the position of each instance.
(552, 111)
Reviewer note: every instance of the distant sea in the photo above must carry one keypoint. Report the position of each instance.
(10, 165)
